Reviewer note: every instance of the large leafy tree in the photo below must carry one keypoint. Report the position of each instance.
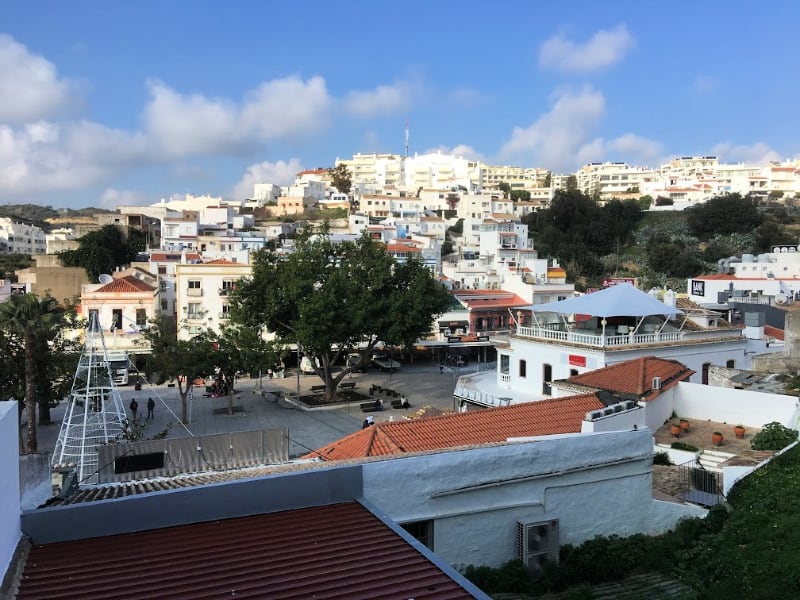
(341, 178)
(731, 213)
(103, 250)
(331, 297)
(183, 360)
(32, 323)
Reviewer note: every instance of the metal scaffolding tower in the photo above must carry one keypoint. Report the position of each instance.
(95, 415)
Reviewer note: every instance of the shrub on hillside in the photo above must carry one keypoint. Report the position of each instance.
(773, 436)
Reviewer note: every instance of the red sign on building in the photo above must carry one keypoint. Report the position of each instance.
(609, 281)
(577, 360)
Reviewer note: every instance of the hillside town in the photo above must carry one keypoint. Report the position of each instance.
(555, 396)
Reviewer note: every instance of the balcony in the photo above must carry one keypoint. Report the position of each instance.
(224, 316)
(611, 339)
(194, 292)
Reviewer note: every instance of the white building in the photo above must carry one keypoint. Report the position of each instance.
(17, 237)
(202, 294)
(618, 324)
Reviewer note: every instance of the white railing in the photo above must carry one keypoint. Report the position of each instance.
(601, 341)
(482, 398)
(505, 377)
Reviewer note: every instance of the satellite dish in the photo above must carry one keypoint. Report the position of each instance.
(105, 278)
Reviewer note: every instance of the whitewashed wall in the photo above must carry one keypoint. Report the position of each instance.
(476, 496)
(753, 409)
(9, 491)
(623, 421)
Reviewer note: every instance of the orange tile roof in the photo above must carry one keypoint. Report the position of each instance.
(335, 551)
(402, 248)
(126, 285)
(492, 425)
(774, 332)
(636, 376)
(163, 256)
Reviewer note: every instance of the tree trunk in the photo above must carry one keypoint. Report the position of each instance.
(184, 405)
(30, 392)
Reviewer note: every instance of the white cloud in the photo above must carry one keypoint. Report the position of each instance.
(280, 173)
(755, 154)
(44, 156)
(561, 139)
(603, 49)
(183, 125)
(459, 150)
(111, 198)
(384, 99)
(30, 88)
(555, 138)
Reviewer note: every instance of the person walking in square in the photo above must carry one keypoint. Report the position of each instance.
(150, 406)
(134, 406)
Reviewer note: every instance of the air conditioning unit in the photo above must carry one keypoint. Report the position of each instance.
(537, 544)
(656, 383)
(629, 404)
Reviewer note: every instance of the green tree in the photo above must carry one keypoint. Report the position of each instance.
(548, 179)
(329, 298)
(771, 233)
(731, 213)
(520, 195)
(104, 250)
(645, 202)
(36, 321)
(572, 183)
(504, 187)
(176, 359)
(341, 178)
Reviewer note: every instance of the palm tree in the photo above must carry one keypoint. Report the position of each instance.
(34, 320)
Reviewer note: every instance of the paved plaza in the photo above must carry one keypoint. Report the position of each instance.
(263, 406)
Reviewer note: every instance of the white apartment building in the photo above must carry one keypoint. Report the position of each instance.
(17, 237)
(770, 278)
(202, 293)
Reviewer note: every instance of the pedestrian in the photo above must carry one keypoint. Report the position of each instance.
(378, 404)
(441, 367)
(134, 406)
(370, 420)
(150, 406)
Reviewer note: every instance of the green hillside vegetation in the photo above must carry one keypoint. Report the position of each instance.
(748, 549)
(659, 248)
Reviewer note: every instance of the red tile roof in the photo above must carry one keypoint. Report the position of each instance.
(126, 285)
(774, 332)
(492, 425)
(636, 376)
(336, 551)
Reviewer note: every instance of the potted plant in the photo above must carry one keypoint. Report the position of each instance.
(674, 429)
(684, 424)
(717, 438)
(739, 431)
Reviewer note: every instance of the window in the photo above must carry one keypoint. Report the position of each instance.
(504, 363)
(194, 310)
(141, 317)
(116, 318)
(194, 284)
(164, 305)
(94, 319)
(422, 531)
(523, 368)
(547, 376)
(730, 364)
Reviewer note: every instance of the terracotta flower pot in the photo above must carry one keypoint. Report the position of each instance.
(684, 425)
(675, 430)
(739, 432)
(716, 438)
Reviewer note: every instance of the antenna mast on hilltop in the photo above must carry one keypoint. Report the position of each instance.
(95, 414)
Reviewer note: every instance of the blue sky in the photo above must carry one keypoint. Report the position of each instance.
(114, 102)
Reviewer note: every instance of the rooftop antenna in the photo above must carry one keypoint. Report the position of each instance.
(406, 138)
(95, 415)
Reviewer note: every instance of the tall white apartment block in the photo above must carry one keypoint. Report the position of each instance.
(17, 237)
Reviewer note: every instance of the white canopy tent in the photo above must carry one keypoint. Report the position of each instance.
(621, 300)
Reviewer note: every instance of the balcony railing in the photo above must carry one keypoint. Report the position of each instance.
(598, 340)
(194, 292)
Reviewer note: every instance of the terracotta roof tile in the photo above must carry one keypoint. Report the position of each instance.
(635, 376)
(492, 425)
(126, 285)
(335, 551)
